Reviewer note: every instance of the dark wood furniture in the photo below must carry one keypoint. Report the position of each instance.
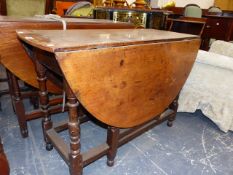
(198, 11)
(139, 17)
(4, 91)
(215, 9)
(49, 6)
(124, 78)
(188, 25)
(218, 25)
(3, 7)
(12, 52)
(4, 165)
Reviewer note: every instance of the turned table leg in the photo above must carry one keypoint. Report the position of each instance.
(75, 157)
(112, 140)
(10, 86)
(4, 166)
(18, 103)
(44, 102)
(3, 92)
(173, 106)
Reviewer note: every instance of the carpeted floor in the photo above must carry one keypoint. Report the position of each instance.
(193, 146)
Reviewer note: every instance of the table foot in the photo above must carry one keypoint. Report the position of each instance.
(173, 106)
(24, 132)
(49, 146)
(110, 163)
(169, 123)
(112, 140)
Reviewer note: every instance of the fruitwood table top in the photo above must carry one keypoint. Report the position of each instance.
(123, 77)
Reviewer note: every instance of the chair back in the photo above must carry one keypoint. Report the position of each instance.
(192, 10)
(80, 9)
(25, 8)
(214, 9)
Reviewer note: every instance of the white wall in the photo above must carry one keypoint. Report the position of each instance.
(205, 4)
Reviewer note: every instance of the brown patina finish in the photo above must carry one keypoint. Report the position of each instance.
(14, 57)
(18, 64)
(4, 166)
(124, 78)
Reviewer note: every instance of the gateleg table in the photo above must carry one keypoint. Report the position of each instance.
(125, 78)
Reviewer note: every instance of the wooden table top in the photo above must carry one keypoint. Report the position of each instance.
(11, 50)
(69, 20)
(69, 40)
(123, 77)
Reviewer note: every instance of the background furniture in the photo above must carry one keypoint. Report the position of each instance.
(214, 9)
(23, 7)
(218, 25)
(12, 52)
(60, 7)
(81, 9)
(139, 17)
(3, 7)
(188, 25)
(192, 10)
(31, 7)
(209, 85)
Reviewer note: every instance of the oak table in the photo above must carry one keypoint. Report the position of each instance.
(18, 64)
(126, 78)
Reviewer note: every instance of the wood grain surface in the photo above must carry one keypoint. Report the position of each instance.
(71, 40)
(128, 85)
(13, 55)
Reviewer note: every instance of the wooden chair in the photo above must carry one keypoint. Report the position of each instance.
(214, 9)
(22, 7)
(187, 25)
(59, 7)
(81, 9)
(192, 10)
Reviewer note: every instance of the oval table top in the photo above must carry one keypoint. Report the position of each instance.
(57, 40)
(122, 77)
